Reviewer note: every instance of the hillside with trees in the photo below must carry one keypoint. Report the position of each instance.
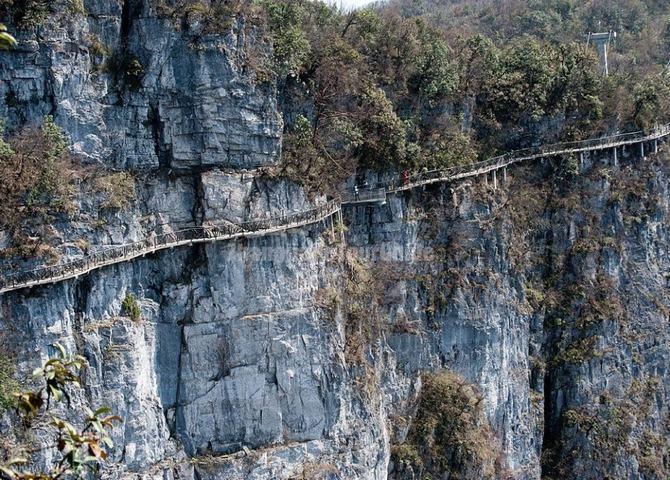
(426, 84)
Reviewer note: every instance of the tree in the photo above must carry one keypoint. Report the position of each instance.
(80, 452)
(384, 143)
(290, 46)
(478, 62)
(651, 101)
(436, 75)
(36, 165)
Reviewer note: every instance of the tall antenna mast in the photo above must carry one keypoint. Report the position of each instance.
(602, 41)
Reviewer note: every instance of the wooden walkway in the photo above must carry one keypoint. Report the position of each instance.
(496, 163)
(188, 236)
(216, 233)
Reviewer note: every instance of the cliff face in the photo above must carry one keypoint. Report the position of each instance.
(135, 92)
(300, 354)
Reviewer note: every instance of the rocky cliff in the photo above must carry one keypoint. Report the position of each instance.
(300, 354)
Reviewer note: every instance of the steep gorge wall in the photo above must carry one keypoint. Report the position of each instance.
(548, 294)
(523, 291)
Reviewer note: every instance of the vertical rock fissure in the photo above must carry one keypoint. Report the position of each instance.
(199, 206)
(154, 121)
(125, 23)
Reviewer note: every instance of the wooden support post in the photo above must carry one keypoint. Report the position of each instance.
(454, 197)
(486, 179)
(642, 149)
(655, 145)
(495, 180)
(581, 160)
(616, 160)
(505, 174)
(339, 217)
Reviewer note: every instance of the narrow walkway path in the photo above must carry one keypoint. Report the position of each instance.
(496, 163)
(188, 236)
(256, 228)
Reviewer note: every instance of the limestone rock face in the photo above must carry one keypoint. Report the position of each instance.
(191, 100)
(252, 359)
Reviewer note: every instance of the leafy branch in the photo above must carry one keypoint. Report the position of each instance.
(81, 451)
(7, 41)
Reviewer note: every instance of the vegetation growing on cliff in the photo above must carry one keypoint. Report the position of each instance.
(7, 41)
(117, 188)
(361, 309)
(415, 97)
(131, 308)
(449, 433)
(615, 427)
(79, 452)
(28, 14)
(8, 383)
(37, 182)
(416, 89)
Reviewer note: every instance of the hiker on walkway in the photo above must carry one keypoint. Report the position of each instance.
(405, 177)
(355, 191)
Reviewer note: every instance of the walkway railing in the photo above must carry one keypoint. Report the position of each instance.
(254, 228)
(368, 195)
(187, 236)
(543, 151)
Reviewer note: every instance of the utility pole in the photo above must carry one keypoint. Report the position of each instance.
(602, 41)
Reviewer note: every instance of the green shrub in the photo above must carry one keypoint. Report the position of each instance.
(131, 308)
(449, 433)
(98, 51)
(118, 189)
(7, 40)
(33, 13)
(215, 17)
(8, 384)
(125, 67)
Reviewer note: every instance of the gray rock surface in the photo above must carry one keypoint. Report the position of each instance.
(196, 103)
(241, 368)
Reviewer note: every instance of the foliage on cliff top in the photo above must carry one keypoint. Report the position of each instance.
(449, 432)
(417, 89)
(640, 52)
(413, 97)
